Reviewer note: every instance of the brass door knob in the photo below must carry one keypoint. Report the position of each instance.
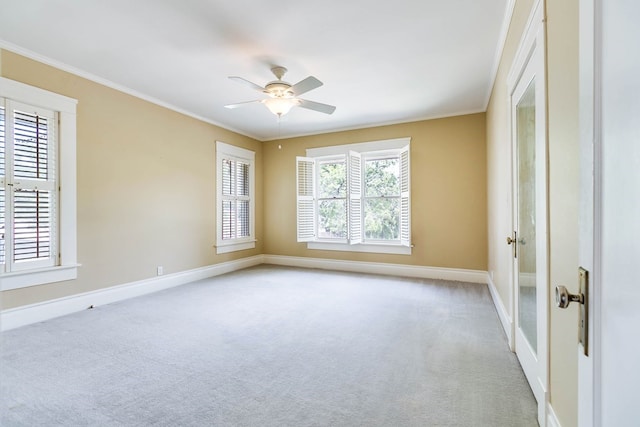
(564, 298)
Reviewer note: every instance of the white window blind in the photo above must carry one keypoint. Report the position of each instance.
(405, 198)
(355, 198)
(3, 205)
(235, 191)
(235, 199)
(306, 203)
(29, 197)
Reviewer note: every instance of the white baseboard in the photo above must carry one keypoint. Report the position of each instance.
(552, 419)
(473, 276)
(503, 314)
(25, 315)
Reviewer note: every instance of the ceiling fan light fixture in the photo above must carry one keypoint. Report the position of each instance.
(279, 89)
(280, 106)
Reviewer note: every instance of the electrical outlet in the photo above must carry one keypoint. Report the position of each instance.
(160, 270)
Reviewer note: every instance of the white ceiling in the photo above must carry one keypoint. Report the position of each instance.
(381, 62)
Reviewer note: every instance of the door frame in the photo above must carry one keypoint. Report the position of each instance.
(589, 368)
(531, 52)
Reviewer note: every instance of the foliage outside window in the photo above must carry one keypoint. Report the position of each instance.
(382, 199)
(332, 199)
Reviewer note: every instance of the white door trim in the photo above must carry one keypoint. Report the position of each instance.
(590, 221)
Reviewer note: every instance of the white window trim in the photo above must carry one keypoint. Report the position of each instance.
(368, 149)
(224, 150)
(67, 268)
(375, 248)
(387, 144)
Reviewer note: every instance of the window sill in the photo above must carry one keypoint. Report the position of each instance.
(41, 276)
(233, 247)
(365, 247)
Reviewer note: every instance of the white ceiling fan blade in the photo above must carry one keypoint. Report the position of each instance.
(305, 85)
(240, 104)
(317, 106)
(247, 83)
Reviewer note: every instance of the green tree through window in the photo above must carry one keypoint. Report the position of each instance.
(381, 204)
(382, 199)
(332, 200)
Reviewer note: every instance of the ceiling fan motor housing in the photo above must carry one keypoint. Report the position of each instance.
(279, 89)
(278, 71)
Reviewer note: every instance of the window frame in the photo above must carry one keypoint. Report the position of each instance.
(23, 184)
(356, 155)
(65, 260)
(226, 151)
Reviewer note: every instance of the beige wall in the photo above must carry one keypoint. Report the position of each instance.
(145, 187)
(448, 196)
(562, 75)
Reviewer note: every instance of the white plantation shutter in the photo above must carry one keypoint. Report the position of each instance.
(2, 140)
(242, 199)
(405, 197)
(306, 203)
(30, 187)
(2, 186)
(355, 197)
(235, 184)
(235, 199)
(227, 204)
(33, 237)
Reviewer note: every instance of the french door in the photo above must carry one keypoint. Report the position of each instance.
(529, 240)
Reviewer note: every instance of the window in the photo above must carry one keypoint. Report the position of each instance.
(235, 191)
(37, 214)
(382, 198)
(332, 199)
(355, 197)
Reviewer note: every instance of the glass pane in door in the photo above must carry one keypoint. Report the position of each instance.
(526, 244)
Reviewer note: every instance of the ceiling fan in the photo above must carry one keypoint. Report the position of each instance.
(283, 96)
